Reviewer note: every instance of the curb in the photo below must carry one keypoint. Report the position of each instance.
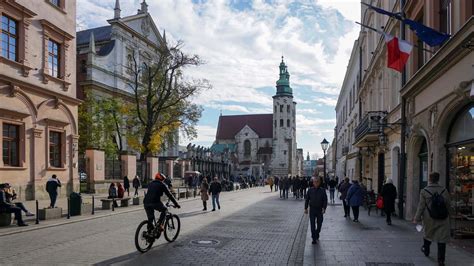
(92, 217)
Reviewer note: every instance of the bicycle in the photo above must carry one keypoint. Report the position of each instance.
(144, 240)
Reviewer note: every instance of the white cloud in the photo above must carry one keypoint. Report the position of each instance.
(329, 101)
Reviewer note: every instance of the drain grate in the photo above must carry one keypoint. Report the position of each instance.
(388, 264)
(372, 228)
(205, 242)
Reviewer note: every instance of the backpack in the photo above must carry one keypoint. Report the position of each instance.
(438, 210)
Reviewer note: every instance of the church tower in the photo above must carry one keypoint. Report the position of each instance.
(284, 127)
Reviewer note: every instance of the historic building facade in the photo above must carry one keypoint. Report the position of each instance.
(38, 105)
(263, 143)
(439, 110)
(105, 58)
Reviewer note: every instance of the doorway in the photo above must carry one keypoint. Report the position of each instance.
(423, 160)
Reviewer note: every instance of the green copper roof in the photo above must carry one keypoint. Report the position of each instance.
(283, 84)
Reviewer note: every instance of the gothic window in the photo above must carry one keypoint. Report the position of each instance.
(288, 122)
(281, 108)
(247, 147)
(281, 123)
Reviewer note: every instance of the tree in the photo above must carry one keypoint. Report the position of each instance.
(100, 121)
(162, 99)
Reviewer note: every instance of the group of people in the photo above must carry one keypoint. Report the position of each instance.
(297, 185)
(433, 208)
(214, 189)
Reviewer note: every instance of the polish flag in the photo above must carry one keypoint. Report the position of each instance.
(398, 52)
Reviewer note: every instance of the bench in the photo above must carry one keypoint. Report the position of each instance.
(5, 219)
(107, 203)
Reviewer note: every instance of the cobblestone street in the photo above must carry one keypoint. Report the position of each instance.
(254, 227)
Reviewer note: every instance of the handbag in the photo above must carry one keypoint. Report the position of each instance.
(379, 202)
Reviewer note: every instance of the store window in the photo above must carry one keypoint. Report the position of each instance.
(11, 144)
(55, 149)
(461, 172)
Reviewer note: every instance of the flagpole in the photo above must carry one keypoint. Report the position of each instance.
(402, 165)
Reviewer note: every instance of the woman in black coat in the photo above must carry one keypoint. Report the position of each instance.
(389, 194)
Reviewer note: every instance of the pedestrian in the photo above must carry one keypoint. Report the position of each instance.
(389, 194)
(113, 194)
(433, 210)
(317, 201)
(126, 185)
(270, 183)
(136, 185)
(282, 187)
(120, 191)
(303, 187)
(277, 180)
(214, 190)
(332, 189)
(6, 207)
(204, 195)
(287, 186)
(52, 189)
(10, 195)
(343, 189)
(355, 198)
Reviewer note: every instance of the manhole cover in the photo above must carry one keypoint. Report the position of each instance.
(370, 228)
(205, 242)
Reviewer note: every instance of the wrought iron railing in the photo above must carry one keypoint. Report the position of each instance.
(370, 124)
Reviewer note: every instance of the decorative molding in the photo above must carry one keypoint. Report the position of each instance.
(37, 132)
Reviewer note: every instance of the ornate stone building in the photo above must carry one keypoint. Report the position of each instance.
(263, 143)
(38, 105)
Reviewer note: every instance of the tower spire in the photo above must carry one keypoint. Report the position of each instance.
(144, 8)
(283, 84)
(117, 9)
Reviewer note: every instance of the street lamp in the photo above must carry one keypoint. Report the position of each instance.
(324, 145)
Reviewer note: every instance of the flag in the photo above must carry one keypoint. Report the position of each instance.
(427, 34)
(398, 52)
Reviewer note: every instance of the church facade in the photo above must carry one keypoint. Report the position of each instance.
(262, 144)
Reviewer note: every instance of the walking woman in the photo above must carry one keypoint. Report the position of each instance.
(355, 198)
(204, 193)
(389, 194)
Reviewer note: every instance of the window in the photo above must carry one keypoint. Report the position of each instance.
(55, 149)
(83, 66)
(275, 123)
(11, 140)
(281, 123)
(55, 2)
(53, 58)
(275, 109)
(9, 38)
(288, 108)
(247, 147)
(281, 108)
(288, 122)
(445, 16)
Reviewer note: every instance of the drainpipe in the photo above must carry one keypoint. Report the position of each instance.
(402, 170)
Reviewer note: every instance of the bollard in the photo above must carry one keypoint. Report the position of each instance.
(194, 192)
(68, 207)
(186, 193)
(178, 193)
(93, 205)
(37, 208)
(113, 205)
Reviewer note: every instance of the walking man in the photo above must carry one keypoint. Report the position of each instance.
(343, 189)
(277, 180)
(433, 211)
(317, 201)
(126, 185)
(332, 189)
(389, 194)
(214, 191)
(136, 185)
(52, 189)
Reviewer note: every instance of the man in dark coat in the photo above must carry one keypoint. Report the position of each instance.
(296, 187)
(214, 190)
(317, 201)
(389, 194)
(136, 185)
(52, 189)
(277, 183)
(343, 189)
(126, 184)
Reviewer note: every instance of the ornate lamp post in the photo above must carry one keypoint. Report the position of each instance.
(324, 146)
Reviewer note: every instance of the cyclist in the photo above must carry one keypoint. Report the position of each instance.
(153, 202)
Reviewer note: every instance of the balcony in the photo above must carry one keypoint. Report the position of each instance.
(367, 131)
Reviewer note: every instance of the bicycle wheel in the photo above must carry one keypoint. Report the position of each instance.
(172, 227)
(143, 241)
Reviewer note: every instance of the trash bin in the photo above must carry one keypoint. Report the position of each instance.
(75, 201)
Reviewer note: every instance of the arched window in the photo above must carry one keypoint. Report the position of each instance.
(247, 147)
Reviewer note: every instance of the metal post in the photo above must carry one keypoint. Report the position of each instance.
(68, 208)
(324, 168)
(113, 205)
(402, 169)
(37, 208)
(93, 204)
(178, 193)
(186, 192)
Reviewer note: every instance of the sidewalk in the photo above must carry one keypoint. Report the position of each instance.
(373, 242)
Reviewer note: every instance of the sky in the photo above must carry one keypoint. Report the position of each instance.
(242, 41)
